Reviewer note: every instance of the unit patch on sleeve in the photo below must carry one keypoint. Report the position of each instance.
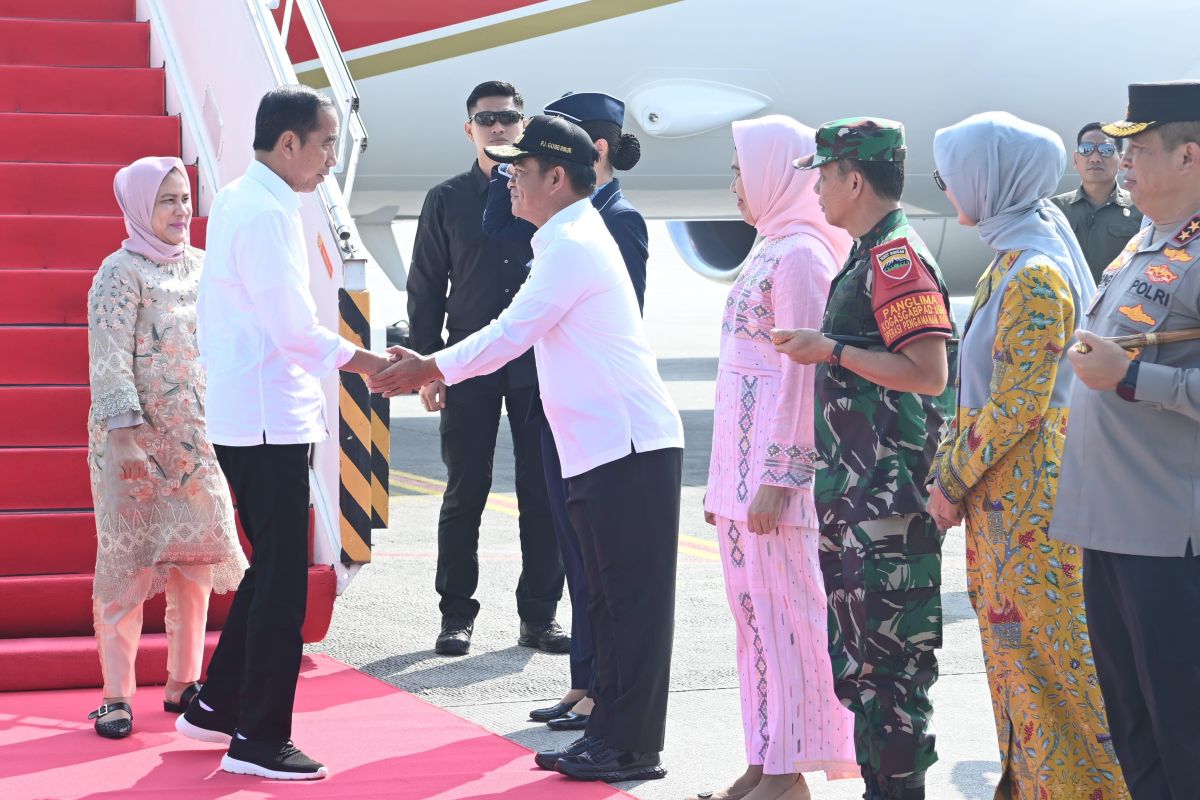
(907, 301)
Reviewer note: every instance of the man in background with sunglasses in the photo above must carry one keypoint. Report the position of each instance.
(1100, 212)
(461, 279)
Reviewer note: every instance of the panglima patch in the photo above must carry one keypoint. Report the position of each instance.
(1180, 256)
(1160, 273)
(1137, 314)
(920, 311)
(895, 262)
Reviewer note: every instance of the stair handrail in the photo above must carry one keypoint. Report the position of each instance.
(353, 133)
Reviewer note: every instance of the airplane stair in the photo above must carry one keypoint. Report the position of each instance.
(78, 100)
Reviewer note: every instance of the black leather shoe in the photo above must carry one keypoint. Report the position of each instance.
(455, 638)
(612, 766)
(570, 722)
(185, 700)
(547, 759)
(114, 728)
(553, 712)
(549, 638)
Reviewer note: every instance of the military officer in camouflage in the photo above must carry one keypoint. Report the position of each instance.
(882, 361)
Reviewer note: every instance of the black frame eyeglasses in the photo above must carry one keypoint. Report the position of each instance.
(489, 118)
(1106, 149)
(937, 181)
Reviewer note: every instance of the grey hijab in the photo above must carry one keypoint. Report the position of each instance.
(1001, 170)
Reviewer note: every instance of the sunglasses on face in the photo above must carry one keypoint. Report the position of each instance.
(937, 180)
(1107, 150)
(489, 118)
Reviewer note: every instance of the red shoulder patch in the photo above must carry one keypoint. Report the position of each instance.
(907, 301)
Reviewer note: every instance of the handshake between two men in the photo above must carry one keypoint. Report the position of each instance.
(406, 372)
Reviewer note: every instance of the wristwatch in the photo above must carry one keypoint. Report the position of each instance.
(1127, 388)
(835, 358)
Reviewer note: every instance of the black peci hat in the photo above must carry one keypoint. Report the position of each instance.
(548, 136)
(1153, 104)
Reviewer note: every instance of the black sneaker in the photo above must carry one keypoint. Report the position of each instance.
(281, 761)
(612, 766)
(204, 725)
(455, 637)
(548, 759)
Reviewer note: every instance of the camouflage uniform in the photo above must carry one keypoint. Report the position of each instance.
(880, 552)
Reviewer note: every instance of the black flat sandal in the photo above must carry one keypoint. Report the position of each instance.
(185, 699)
(114, 729)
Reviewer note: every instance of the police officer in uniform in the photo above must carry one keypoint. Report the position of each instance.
(882, 403)
(1127, 493)
(600, 116)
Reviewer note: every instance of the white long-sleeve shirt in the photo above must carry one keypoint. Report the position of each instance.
(259, 337)
(600, 386)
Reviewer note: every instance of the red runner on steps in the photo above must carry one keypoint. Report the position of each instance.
(377, 741)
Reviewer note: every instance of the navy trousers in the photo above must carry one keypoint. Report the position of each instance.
(583, 646)
(1143, 615)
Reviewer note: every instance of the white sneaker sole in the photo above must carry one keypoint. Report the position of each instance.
(200, 734)
(247, 768)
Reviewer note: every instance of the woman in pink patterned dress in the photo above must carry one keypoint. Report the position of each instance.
(760, 477)
(164, 521)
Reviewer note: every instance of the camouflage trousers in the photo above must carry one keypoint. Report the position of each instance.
(883, 580)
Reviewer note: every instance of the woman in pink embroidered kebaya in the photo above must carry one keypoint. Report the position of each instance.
(760, 477)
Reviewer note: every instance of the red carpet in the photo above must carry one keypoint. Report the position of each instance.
(377, 741)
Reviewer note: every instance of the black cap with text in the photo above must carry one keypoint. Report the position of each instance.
(548, 136)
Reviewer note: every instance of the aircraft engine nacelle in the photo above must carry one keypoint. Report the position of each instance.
(715, 248)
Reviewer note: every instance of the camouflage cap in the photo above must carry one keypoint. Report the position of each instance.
(860, 138)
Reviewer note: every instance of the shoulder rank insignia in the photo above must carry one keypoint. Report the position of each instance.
(1137, 314)
(1189, 232)
(1161, 273)
(1182, 256)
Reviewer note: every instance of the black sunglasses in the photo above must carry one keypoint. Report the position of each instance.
(489, 118)
(1107, 150)
(937, 179)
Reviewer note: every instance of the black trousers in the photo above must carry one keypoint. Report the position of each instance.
(626, 513)
(252, 676)
(469, 424)
(583, 648)
(1143, 615)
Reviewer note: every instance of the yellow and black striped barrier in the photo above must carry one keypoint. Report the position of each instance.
(365, 439)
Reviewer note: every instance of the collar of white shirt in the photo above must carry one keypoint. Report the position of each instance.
(260, 172)
(550, 231)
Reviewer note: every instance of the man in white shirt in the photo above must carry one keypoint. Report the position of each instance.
(264, 352)
(618, 434)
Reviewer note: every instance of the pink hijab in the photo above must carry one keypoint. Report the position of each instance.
(136, 188)
(781, 197)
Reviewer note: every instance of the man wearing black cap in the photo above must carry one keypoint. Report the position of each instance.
(600, 116)
(461, 280)
(619, 439)
(1127, 493)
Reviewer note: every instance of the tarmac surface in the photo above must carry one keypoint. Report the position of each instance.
(386, 621)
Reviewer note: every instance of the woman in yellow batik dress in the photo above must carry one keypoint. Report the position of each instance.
(999, 464)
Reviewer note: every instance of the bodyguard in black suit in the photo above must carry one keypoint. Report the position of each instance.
(601, 116)
(461, 280)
